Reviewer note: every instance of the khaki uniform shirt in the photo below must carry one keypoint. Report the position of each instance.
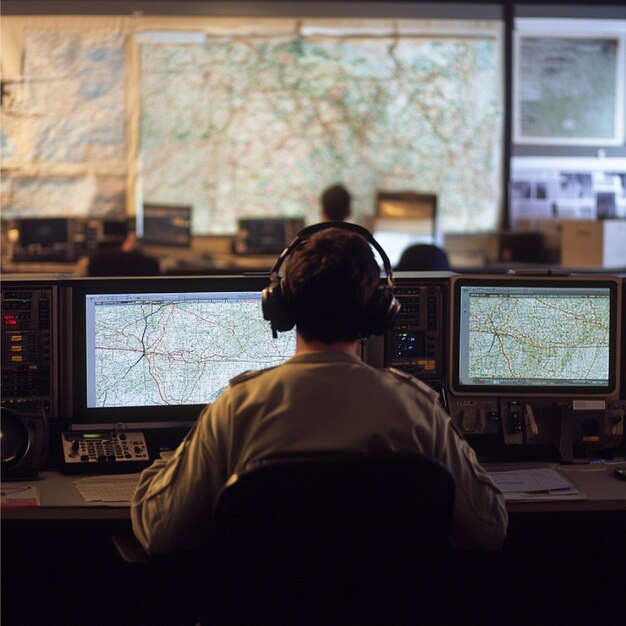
(313, 402)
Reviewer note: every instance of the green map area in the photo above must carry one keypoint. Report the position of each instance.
(551, 338)
(258, 127)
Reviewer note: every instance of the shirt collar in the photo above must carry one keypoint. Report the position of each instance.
(325, 357)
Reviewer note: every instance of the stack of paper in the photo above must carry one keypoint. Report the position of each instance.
(537, 483)
(117, 488)
(19, 495)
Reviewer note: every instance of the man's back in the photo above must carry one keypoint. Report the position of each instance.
(332, 401)
(324, 399)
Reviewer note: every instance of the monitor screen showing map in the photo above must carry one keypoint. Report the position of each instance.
(165, 225)
(160, 349)
(535, 336)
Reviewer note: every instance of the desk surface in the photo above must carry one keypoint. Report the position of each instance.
(603, 491)
(60, 499)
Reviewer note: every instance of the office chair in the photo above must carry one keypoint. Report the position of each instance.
(423, 257)
(333, 539)
(120, 263)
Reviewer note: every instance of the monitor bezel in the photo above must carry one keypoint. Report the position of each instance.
(610, 390)
(158, 416)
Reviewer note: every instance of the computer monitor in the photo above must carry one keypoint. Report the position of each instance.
(156, 350)
(417, 210)
(107, 233)
(407, 205)
(535, 336)
(44, 233)
(165, 225)
(265, 235)
(403, 219)
(115, 228)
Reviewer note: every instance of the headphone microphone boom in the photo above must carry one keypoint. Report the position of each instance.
(381, 311)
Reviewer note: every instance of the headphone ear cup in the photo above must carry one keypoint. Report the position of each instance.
(276, 307)
(381, 312)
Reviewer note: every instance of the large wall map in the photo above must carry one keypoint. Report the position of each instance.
(63, 137)
(241, 126)
(260, 126)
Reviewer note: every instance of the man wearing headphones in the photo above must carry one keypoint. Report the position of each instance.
(323, 399)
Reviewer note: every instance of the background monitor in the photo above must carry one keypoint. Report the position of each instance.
(115, 228)
(407, 205)
(159, 349)
(535, 336)
(265, 235)
(107, 233)
(43, 232)
(403, 219)
(165, 225)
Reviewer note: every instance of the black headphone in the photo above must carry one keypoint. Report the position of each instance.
(381, 311)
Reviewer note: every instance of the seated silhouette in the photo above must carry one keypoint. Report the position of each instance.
(120, 263)
(423, 257)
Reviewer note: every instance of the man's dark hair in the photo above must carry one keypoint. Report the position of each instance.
(331, 279)
(336, 203)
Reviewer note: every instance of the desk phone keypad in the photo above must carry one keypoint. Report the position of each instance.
(104, 447)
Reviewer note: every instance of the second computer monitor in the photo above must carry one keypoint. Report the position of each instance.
(535, 336)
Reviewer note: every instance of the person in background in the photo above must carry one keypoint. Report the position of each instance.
(335, 203)
(324, 399)
(423, 257)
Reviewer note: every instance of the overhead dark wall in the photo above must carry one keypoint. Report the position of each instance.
(375, 8)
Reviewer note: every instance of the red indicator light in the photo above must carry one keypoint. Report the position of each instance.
(10, 320)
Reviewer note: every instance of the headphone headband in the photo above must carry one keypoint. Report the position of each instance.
(380, 313)
(305, 233)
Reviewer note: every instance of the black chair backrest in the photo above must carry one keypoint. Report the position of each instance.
(323, 529)
(423, 257)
